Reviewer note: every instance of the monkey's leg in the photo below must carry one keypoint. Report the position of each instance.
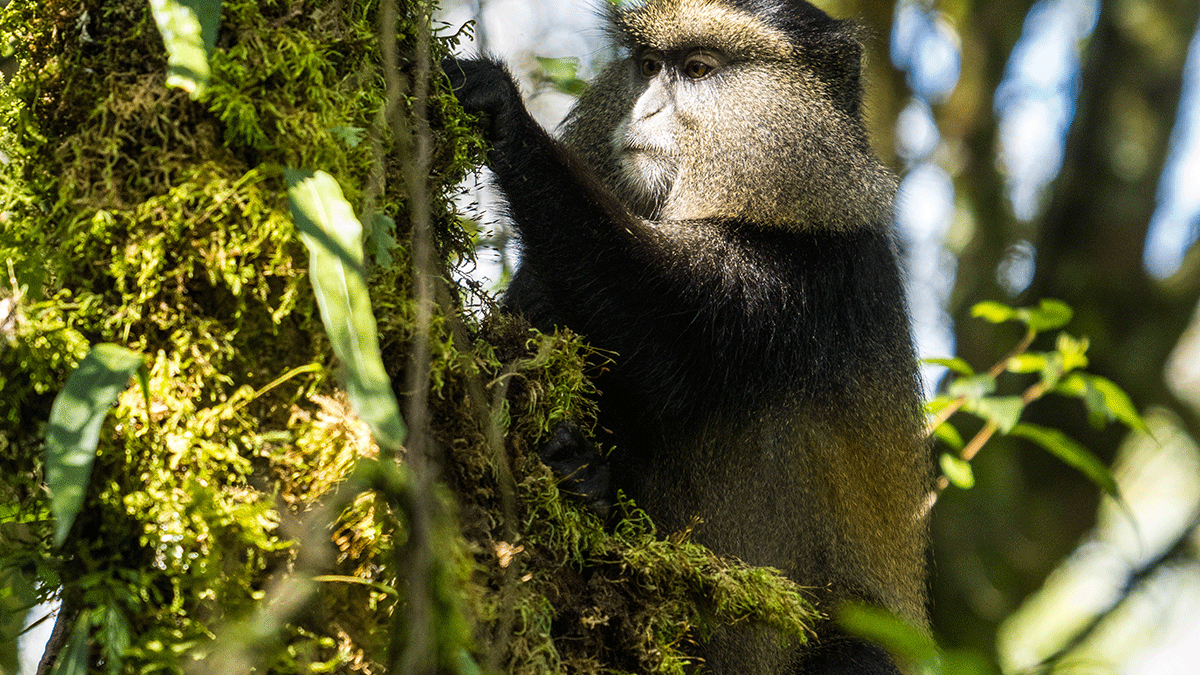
(835, 653)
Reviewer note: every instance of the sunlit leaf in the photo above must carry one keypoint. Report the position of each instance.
(955, 364)
(74, 427)
(1073, 351)
(948, 435)
(993, 312)
(974, 387)
(958, 471)
(1003, 411)
(1053, 370)
(908, 644)
(1070, 451)
(1025, 363)
(1103, 398)
(189, 32)
(939, 403)
(561, 68)
(562, 73)
(1118, 402)
(1080, 386)
(332, 234)
(1048, 315)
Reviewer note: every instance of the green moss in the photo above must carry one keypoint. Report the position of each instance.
(572, 594)
(137, 216)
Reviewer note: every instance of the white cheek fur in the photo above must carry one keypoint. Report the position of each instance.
(647, 164)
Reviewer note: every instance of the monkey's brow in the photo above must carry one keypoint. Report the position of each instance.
(677, 53)
(682, 23)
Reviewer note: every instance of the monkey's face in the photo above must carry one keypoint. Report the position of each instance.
(652, 140)
(719, 113)
(712, 135)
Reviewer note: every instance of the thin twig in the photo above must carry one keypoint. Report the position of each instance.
(995, 371)
(972, 448)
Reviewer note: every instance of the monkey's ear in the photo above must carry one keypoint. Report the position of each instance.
(486, 89)
(836, 56)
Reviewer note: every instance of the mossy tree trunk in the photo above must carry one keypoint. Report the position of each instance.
(138, 216)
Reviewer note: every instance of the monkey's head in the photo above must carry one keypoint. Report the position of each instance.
(733, 109)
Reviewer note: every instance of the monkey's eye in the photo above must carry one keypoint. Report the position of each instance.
(650, 66)
(700, 65)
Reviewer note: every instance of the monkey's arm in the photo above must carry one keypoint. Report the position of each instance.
(552, 198)
(606, 271)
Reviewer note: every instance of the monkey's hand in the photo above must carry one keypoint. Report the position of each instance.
(487, 90)
(583, 473)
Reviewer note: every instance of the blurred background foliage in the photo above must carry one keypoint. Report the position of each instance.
(1047, 149)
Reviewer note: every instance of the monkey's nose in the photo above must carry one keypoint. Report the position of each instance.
(652, 102)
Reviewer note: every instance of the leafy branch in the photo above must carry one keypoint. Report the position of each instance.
(1059, 371)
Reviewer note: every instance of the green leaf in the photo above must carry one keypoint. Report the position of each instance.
(1003, 411)
(939, 403)
(955, 364)
(380, 240)
(1103, 398)
(466, 664)
(563, 74)
(1070, 451)
(973, 388)
(1117, 402)
(958, 471)
(1048, 315)
(351, 136)
(17, 597)
(1074, 352)
(116, 639)
(73, 659)
(1026, 363)
(74, 429)
(560, 68)
(949, 435)
(909, 644)
(966, 662)
(993, 312)
(332, 234)
(1080, 386)
(189, 32)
